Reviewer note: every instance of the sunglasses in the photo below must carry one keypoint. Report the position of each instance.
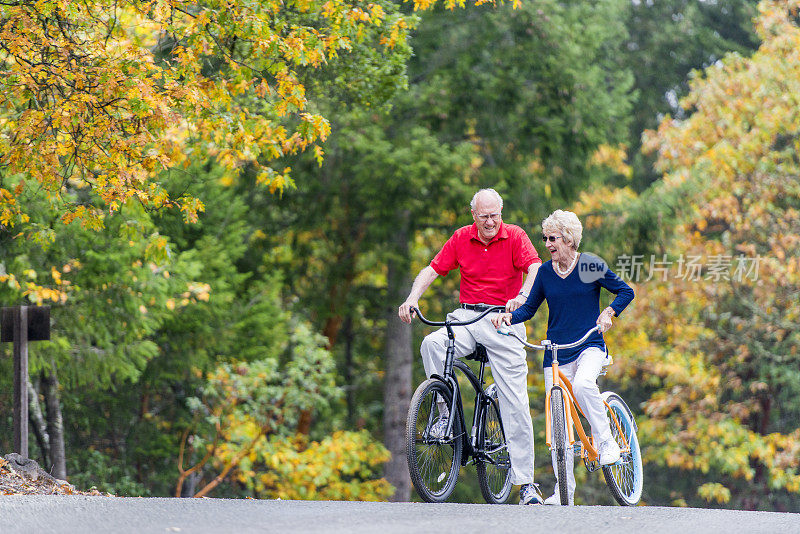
(551, 238)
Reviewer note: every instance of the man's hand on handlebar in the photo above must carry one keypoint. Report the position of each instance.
(405, 312)
(500, 319)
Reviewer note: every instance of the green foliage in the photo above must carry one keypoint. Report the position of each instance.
(108, 290)
(668, 40)
(267, 393)
(91, 468)
(537, 89)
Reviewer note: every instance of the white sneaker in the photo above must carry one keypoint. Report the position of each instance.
(555, 498)
(609, 452)
(530, 494)
(439, 428)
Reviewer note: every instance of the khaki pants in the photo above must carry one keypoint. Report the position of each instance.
(510, 373)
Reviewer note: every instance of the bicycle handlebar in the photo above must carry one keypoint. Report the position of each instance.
(483, 314)
(547, 344)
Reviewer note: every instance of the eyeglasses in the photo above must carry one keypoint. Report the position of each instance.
(551, 238)
(492, 216)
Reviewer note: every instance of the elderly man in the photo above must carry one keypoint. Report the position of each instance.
(494, 257)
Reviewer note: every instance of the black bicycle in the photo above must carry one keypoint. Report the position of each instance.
(437, 440)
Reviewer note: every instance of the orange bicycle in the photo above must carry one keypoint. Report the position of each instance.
(625, 478)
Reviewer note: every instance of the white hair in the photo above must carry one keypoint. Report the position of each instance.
(565, 223)
(491, 191)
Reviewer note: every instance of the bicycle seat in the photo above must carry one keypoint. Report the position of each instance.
(479, 355)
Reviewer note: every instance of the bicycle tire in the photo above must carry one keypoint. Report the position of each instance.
(432, 464)
(494, 474)
(625, 479)
(559, 442)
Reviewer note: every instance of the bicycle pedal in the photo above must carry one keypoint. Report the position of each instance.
(591, 466)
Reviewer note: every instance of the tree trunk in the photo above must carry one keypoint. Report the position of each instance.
(55, 423)
(397, 381)
(189, 487)
(349, 387)
(38, 425)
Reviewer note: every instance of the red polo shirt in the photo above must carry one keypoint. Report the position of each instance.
(490, 274)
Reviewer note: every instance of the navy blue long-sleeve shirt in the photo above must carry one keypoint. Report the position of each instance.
(574, 304)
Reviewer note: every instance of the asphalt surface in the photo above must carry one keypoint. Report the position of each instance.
(79, 514)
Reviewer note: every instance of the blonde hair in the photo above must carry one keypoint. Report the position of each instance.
(565, 223)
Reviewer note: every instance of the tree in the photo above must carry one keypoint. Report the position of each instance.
(667, 41)
(393, 182)
(537, 91)
(106, 302)
(105, 95)
(254, 410)
(716, 348)
(103, 102)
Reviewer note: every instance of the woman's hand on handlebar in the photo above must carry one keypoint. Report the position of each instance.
(604, 320)
(405, 312)
(500, 319)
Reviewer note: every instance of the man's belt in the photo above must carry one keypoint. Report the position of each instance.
(480, 307)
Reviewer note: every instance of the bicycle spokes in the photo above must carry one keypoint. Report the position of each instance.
(495, 448)
(622, 471)
(494, 461)
(624, 478)
(433, 460)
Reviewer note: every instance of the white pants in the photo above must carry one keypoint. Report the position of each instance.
(583, 373)
(510, 373)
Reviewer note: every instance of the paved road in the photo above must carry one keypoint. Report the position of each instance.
(95, 515)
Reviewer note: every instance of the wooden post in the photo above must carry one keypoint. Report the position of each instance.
(21, 324)
(21, 380)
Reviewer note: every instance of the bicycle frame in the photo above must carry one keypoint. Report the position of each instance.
(470, 441)
(571, 407)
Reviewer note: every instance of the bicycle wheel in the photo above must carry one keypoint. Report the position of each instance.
(432, 463)
(559, 444)
(625, 478)
(494, 465)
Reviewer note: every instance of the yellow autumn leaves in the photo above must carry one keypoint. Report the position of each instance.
(92, 92)
(717, 353)
(343, 466)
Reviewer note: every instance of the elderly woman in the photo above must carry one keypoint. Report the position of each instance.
(570, 283)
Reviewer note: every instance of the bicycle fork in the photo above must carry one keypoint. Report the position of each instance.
(556, 387)
(449, 377)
